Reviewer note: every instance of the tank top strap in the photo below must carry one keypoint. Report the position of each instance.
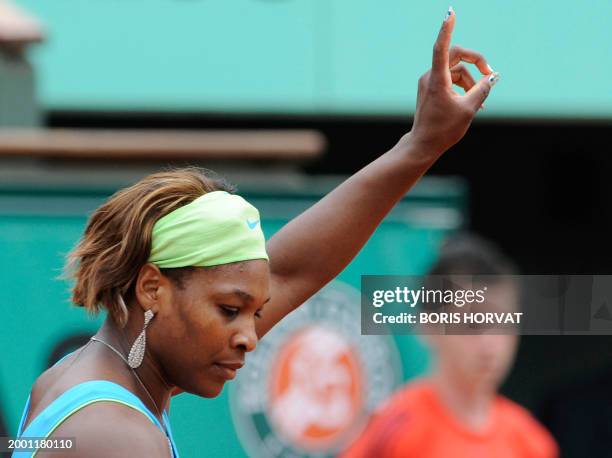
(80, 396)
(24, 414)
(170, 435)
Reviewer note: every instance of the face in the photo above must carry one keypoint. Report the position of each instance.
(203, 330)
(482, 360)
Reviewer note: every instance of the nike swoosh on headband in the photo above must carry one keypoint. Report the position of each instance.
(252, 225)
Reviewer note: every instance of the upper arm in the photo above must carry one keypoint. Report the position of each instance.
(106, 429)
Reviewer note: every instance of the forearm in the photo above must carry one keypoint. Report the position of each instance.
(319, 243)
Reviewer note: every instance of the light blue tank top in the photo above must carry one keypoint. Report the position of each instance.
(76, 398)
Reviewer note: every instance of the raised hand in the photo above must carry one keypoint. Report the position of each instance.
(442, 115)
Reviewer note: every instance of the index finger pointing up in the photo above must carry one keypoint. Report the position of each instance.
(440, 63)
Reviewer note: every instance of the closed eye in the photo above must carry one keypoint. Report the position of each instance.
(229, 311)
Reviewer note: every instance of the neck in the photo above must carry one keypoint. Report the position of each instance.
(470, 404)
(149, 372)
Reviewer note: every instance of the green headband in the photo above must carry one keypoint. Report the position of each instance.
(216, 228)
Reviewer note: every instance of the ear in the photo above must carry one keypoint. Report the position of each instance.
(149, 285)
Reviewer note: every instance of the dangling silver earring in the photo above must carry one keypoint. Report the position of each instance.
(138, 349)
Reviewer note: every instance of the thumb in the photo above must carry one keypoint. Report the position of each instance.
(476, 96)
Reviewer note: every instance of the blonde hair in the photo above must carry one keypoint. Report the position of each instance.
(117, 240)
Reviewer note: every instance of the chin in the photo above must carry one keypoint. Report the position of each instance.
(205, 383)
(488, 382)
(210, 390)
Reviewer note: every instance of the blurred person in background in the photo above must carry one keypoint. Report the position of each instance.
(456, 410)
(181, 266)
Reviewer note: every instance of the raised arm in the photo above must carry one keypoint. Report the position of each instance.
(315, 246)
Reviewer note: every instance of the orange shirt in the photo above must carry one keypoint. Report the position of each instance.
(414, 423)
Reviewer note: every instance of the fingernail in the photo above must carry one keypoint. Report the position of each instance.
(493, 79)
(448, 14)
(490, 69)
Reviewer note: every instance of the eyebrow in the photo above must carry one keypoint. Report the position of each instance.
(246, 296)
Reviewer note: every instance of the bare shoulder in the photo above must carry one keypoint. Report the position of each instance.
(106, 429)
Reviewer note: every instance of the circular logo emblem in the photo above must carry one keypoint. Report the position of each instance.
(315, 388)
(313, 380)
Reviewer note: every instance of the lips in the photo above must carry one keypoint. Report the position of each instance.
(227, 369)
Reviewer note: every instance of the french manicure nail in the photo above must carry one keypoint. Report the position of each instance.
(493, 79)
(448, 14)
(490, 69)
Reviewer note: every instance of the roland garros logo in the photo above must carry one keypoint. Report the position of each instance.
(313, 379)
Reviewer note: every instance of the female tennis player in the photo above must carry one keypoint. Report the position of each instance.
(189, 285)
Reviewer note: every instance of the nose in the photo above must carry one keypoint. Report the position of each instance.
(245, 338)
